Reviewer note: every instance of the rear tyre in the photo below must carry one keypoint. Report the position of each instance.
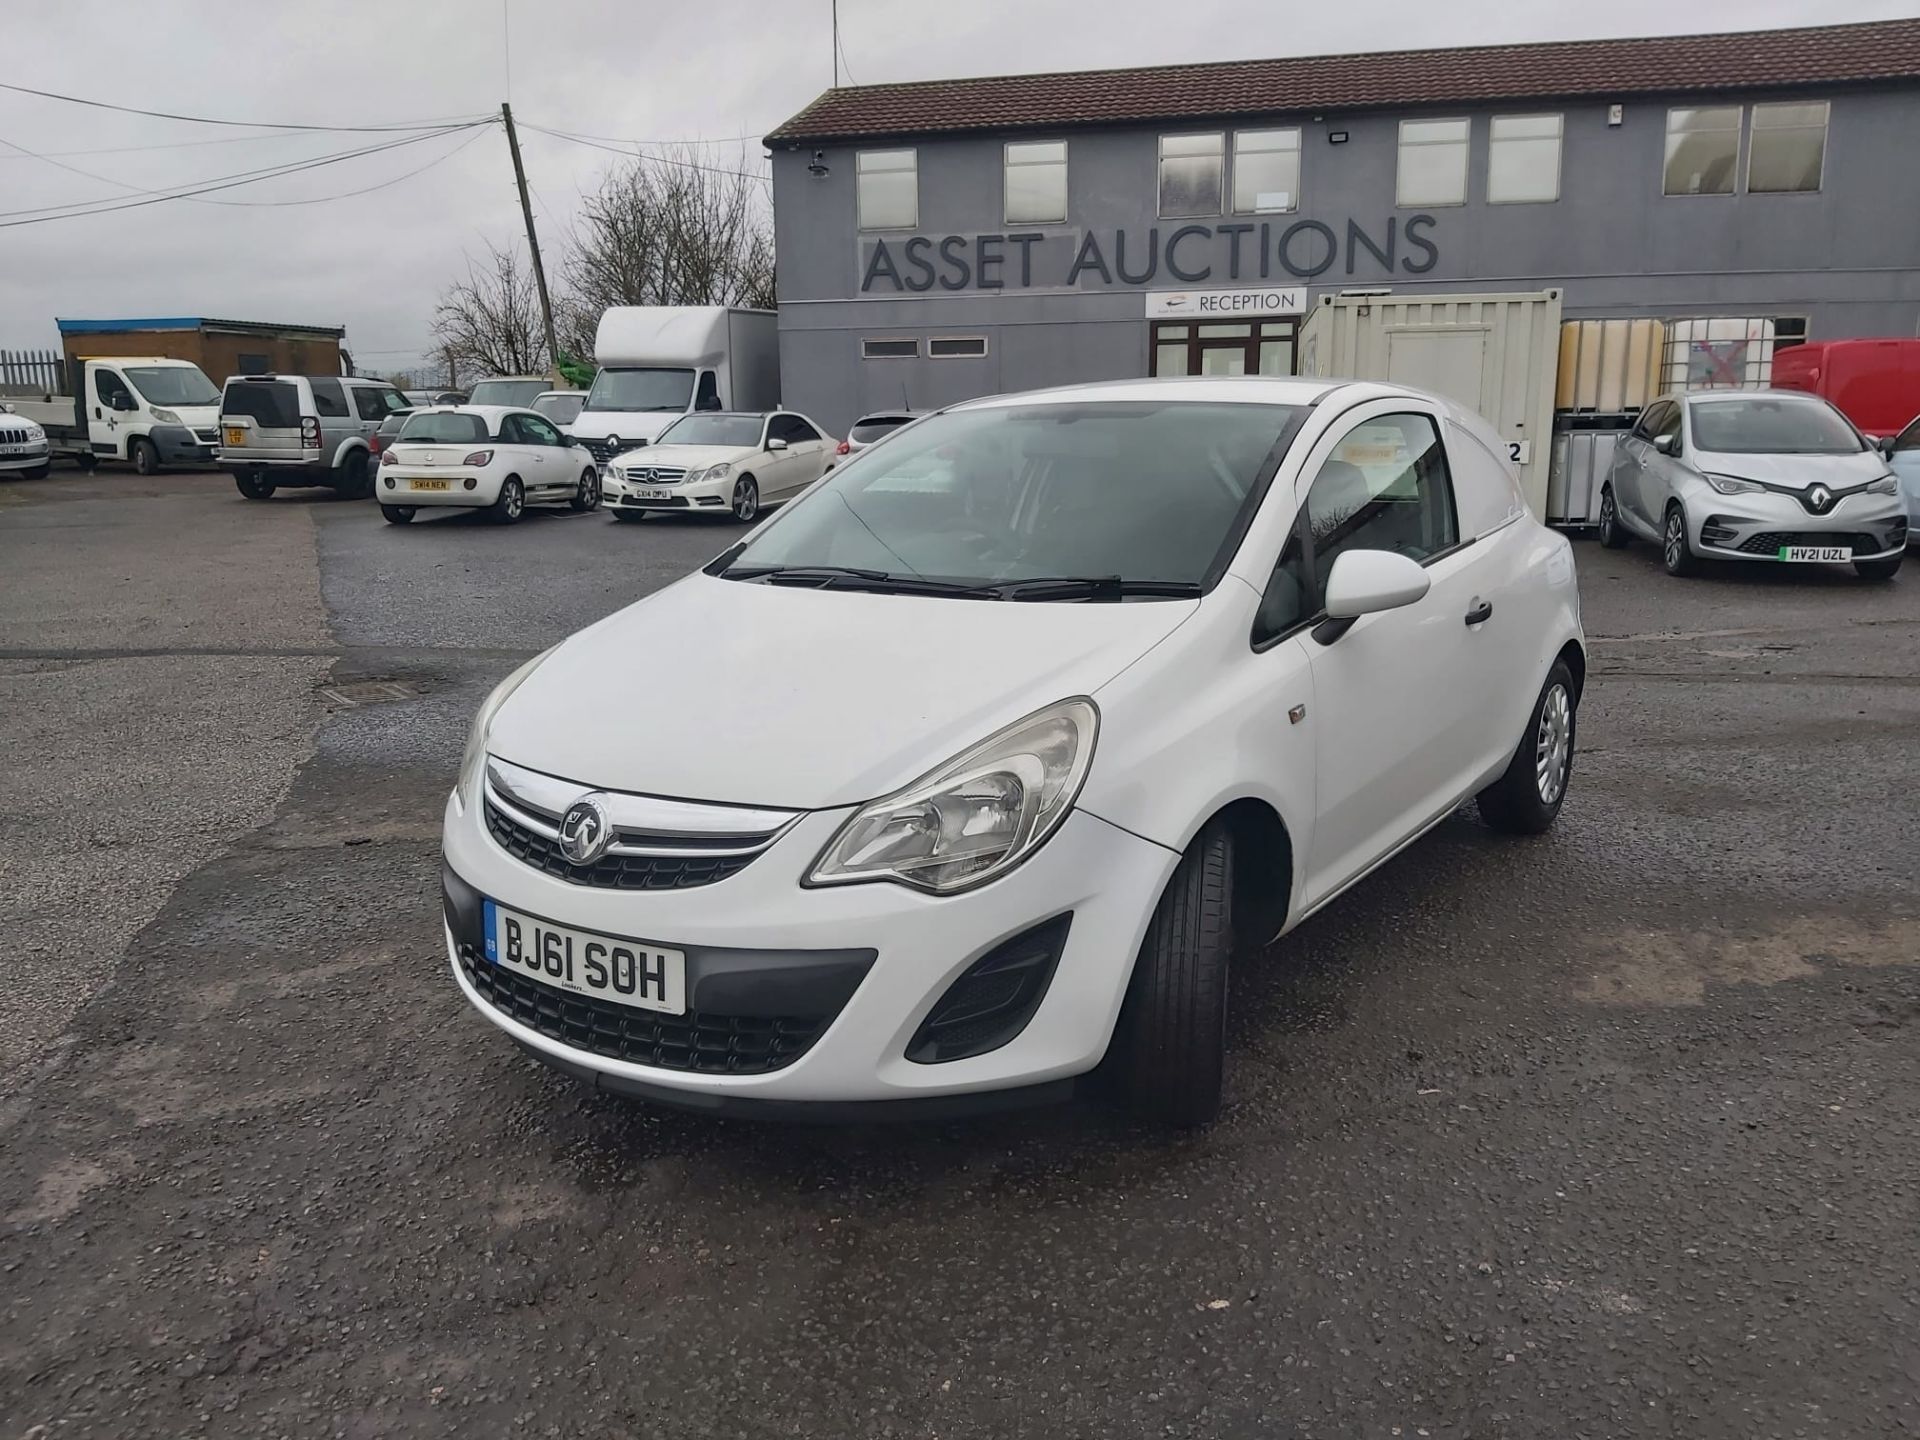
(1676, 554)
(253, 484)
(746, 500)
(587, 496)
(398, 514)
(1529, 794)
(510, 504)
(146, 459)
(356, 480)
(1172, 1034)
(1613, 535)
(1876, 569)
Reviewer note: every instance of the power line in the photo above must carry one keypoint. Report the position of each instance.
(165, 145)
(42, 214)
(625, 140)
(641, 155)
(205, 120)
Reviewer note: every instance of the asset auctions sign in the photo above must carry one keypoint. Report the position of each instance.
(1237, 304)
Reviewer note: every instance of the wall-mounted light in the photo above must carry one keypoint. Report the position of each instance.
(1336, 137)
(817, 167)
(1615, 114)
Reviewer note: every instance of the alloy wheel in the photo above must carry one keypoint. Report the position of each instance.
(1553, 744)
(746, 501)
(1676, 547)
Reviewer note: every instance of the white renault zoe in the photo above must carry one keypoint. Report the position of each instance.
(968, 775)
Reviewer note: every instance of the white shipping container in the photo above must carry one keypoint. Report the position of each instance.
(1495, 354)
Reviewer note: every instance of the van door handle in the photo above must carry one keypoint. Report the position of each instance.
(1482, 611)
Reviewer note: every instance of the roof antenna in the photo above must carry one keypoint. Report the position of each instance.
(836, 44)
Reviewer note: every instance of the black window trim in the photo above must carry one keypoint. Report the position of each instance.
(1299, 527)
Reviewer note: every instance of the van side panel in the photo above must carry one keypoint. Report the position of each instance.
(753, 347)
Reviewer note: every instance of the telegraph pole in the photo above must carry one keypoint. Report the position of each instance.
(533, 241)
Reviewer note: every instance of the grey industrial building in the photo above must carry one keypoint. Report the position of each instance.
(951, 238)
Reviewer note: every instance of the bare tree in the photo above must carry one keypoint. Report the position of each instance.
(674, 229)
(490, 322)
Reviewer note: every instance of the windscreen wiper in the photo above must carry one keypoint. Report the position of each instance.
(1094, 587)
(826, 577)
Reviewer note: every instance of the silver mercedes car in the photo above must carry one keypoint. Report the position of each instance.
(1753, 475)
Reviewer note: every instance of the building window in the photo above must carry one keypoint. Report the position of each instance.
(1703, 150)
(889, 189)
(1788, 147)
(1250, 347)
(1788, 331)
(1190, 168)
(1433, 163)
(955, 347)
(890, 349)
(1036, 185)
(1266, 171)
(1523, 159)
(251, 364)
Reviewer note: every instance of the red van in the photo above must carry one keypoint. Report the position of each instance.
(1874, 383)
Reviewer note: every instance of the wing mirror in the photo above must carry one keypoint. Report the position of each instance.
(1666, 444)
(1366, 581)
(776, 444)
(1885, 445)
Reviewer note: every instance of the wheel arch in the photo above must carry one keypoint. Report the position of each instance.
(1264, 866)
(1575, 656)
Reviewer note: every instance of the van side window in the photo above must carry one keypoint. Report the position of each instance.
(1288, 601)
(707, 397)
(329, 398)
(1384, 487)
(112, 389)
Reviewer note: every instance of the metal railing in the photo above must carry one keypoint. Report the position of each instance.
(37, 372)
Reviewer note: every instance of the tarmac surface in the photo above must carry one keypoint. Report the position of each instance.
(1609, 1133)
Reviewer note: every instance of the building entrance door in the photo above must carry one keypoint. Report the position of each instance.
(1244, 347)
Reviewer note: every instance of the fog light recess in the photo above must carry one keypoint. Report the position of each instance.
(993, 999)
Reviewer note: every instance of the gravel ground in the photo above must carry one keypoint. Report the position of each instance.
(1611, 1133)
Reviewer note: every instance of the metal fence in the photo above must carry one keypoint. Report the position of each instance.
(40, 372)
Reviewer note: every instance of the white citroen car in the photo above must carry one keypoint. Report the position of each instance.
(966, 777)
(719, 461)
(483, 457)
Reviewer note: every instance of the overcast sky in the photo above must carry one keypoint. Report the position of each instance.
(621, 68)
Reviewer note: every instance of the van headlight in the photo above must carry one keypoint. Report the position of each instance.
(978, 815)
(165, 417)
(466, 789)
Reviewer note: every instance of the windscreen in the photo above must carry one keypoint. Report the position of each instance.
(739, 431)
(866, 431)
(1772, 425)
(506, 392)
(442, 427)
(561, 409)
(271, 404)
(1149, 491)
(641, 389)
(173, 384)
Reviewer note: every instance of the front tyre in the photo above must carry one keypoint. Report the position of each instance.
(746, 500)
(1676, 554)
(510, 503)
(146, 459)
(1529, 794)
(1613, 535)
(1878, 569)
(587, 495)
(1172, 1034)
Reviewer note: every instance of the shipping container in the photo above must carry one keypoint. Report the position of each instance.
(1495, 354)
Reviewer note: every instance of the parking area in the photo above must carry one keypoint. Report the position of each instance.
(1606, 1133)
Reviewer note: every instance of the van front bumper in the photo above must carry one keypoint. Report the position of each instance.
(850, 971)
(178, 445)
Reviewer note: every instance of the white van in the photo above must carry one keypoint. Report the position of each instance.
(659, 362)
(147, 410)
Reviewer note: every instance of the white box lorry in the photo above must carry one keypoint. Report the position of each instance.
(659, 362)
(149, 411)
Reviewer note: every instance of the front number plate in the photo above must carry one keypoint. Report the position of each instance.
(430, 484)
(1816, 554)
(653, 494)
(627, 972)
(236, 435)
